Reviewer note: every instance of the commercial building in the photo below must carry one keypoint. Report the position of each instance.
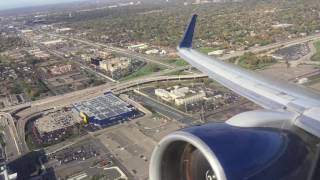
(216, 53)
(63, 30)
(180, 96)
(163, 94)
(38, 53)
(60, 69)
(105, 54)
(190, 99)
(104, 65)
(104, 110)
(53, 42)
(152, 51)
(26, 31)
(277, 26)
(138, 47)
(115, 64)
(303, 80)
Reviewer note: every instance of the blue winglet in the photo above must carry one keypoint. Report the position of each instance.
(186, 42)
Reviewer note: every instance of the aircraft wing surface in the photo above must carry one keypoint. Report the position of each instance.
(269, 93)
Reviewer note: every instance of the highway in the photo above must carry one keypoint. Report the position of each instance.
(13, 143)
(94, 91)
(37, 107)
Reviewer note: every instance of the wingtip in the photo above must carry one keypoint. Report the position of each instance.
(186, 41)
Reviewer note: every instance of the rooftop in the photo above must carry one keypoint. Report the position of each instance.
(103, 107)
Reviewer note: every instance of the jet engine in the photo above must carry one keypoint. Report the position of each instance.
(220, 151)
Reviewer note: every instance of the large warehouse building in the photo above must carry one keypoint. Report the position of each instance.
(104, 110)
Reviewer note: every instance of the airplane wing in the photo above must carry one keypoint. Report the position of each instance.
(269, 93)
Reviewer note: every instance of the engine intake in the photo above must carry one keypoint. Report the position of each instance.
(224, 152)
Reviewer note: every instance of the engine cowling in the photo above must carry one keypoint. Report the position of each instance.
(224, 152)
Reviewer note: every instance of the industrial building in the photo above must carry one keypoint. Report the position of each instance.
(104, 110)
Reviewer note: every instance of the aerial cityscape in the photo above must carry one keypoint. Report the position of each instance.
(88, 89)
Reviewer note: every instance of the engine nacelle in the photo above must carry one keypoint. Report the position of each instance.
(224, 152)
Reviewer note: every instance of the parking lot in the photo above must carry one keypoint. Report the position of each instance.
(68, 155)
(293, 52)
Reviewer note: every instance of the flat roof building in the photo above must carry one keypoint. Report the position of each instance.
(63, 30)
(53, 42)
(107, 109)
(138, 47)
(180, 96)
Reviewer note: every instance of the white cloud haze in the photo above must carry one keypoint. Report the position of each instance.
(8, 4)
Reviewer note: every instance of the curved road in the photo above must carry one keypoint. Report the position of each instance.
(13, 142)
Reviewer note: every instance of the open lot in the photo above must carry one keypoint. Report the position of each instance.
(158, 126)
(280, 71)
(131, 147)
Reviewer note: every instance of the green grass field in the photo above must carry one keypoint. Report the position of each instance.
(206, 50)
(253, 61)
(255, 67)
(144, 71)
(316, 56)
(176, 62)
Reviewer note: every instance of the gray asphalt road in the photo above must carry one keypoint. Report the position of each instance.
(167, 111)
(12, 148)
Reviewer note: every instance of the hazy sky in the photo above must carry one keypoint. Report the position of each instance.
(8, 4)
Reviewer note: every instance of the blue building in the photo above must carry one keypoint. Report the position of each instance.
(104, 110)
